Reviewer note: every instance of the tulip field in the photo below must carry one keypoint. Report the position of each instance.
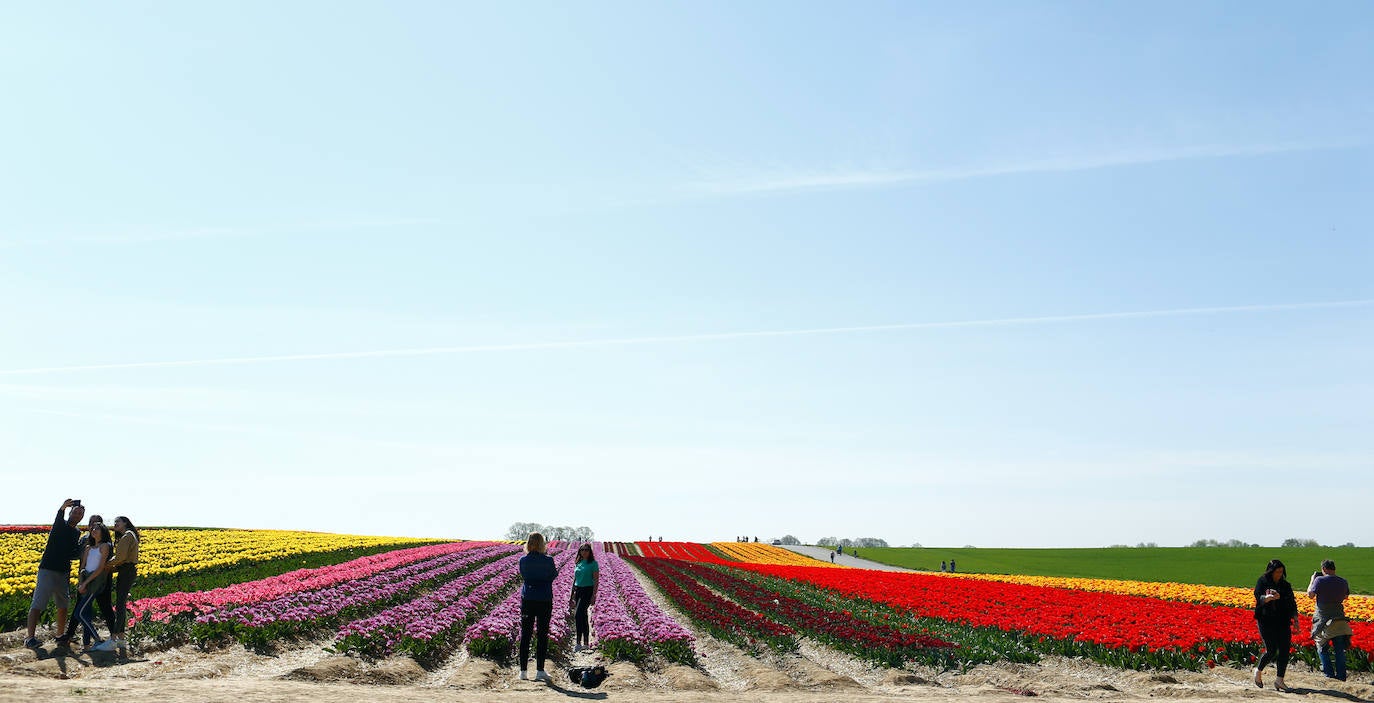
(374, 598)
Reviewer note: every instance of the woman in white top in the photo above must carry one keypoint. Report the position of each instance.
(94, 580)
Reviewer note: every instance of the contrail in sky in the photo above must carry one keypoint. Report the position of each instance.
(709, 337)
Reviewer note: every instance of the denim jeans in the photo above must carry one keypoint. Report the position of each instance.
(1334, 649)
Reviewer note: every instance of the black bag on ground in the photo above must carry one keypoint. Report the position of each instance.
(588, 676)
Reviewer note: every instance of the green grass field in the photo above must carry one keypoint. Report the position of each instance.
(1216, 566)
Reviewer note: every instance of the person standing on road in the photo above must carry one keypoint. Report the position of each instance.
(586, 577)
(538, 571)
(1330, 628)
(55, 568)
(124, 566)
(1276, 612)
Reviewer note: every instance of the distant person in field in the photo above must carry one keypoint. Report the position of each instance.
(124, 566)
(94, 584)
(586, 577)
(102, 595)
(1330, 628)
(832, 557)
(951, 566)
(943, 567)
(537, 570)
(55, 568)
(1276, 611)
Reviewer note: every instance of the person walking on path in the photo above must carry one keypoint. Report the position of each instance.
(538, 571)
(1330, 628)
(1276, 612)
(124, 566)
(55, 568)
(102, 595)
(586, 577)
(95, 582)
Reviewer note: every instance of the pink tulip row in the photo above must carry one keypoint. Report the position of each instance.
(627, 620)
(201, 602)
(425, 626)
(313, 606)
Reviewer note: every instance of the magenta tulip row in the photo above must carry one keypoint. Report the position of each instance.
(310, 606)
(427, 624)
(627, 621)
(198, 603)
(494, 635)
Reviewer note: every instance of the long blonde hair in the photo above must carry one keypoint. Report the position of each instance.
(535, 543)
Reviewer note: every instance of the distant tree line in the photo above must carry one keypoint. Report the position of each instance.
(1290, 543)
(520, 530)
(863, 542)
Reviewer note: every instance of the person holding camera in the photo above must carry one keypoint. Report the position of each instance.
(538, 571)
(1276, 612)
(55, 569)
(1330, 628)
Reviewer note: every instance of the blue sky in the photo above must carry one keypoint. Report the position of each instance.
(511, 195)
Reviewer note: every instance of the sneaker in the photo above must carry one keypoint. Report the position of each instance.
(541, 676)
(62, 641)
(33, 643)
(524, 675)
(104, 646)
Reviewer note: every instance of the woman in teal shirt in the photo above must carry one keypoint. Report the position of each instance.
(586, 575)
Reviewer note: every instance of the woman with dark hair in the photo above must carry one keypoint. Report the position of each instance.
(537, 570)
(94, 584)
(586, 575)
(1276, 611)
(125, 568)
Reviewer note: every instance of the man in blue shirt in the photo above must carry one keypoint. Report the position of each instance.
(1330, 628)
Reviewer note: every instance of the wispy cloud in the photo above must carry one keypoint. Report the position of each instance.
(215, 233)
(690, 338)
(879, 178)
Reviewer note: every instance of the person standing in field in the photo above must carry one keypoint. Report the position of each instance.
(1330, 628)
(55, 568)
(944, 567)
(951, 566)
(538, 571)
(124, 566)
(1276, 612)
(586, 577)
(94, 584)
(102, 595)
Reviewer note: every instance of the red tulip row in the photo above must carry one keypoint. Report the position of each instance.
(723, 618)
(879, 642)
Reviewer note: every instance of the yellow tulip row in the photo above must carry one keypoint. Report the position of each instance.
(755, 553)
(171, 551)
(1356, 607)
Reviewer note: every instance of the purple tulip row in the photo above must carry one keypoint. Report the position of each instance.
(494, 635)
(425, 625)
(627, 620)
(311, 606)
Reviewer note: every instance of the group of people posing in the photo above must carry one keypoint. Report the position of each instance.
(1276, 611)
(108, 558)
(537, 571)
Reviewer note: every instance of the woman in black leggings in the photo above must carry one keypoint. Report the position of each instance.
(125, 568)
(586, 575)
(1276, 611)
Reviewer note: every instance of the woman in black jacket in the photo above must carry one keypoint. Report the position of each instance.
(1276, 611)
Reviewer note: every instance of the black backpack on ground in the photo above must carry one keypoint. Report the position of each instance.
(588, 676)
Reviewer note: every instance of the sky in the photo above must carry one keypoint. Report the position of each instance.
(986, 273)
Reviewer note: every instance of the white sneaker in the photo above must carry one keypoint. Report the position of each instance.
(105, 646)
(541, 676)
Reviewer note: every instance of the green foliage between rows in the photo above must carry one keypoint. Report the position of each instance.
(1212, 566)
